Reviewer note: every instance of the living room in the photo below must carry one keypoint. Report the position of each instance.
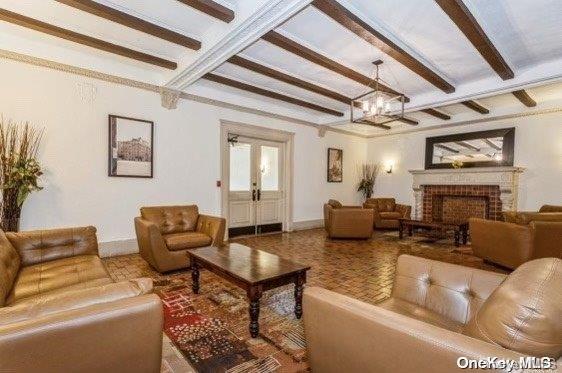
(288, 185)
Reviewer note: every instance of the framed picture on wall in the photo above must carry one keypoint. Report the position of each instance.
(335, 165)
(130, 147)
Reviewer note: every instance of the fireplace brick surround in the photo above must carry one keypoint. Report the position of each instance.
(456, 194)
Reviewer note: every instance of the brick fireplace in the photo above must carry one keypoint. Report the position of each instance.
(451, 195)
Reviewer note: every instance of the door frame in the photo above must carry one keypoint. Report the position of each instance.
(262, 133)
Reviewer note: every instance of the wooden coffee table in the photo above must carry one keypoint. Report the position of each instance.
(459, 228)
(252, 270)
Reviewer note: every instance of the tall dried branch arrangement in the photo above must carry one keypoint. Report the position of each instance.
(368, 172)
(19, 169)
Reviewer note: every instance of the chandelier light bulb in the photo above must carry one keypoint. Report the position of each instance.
(365, 106)
(380, 102)
(387, 107)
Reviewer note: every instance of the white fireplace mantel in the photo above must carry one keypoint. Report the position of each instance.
(507, 178)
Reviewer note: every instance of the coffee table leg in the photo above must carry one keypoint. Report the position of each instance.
(457, 237)
(254, 295)
(400, 229)
(194, 277)
(299, 282)
(464, 236)
(410, 230)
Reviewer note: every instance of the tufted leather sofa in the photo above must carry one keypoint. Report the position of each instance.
(512, 244)
(437, 313)
(61, 311)
(347, 221)
(386, 212)
(165, 233)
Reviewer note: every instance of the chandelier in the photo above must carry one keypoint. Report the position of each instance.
(378, 106)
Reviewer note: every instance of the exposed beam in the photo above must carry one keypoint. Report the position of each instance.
(447, 148)
(467, 145)
(286, 78)
(524, 97)
(264, 92)
(465, 21)
(492, 145)
(369, 123)
(409, 121)
(18, 19)
(314, 57)
(473, 105)
(436, 113)
(133, 22)
(211, 8)
(359, 27)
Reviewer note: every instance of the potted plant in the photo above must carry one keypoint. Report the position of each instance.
(369, 172)
(19, 169)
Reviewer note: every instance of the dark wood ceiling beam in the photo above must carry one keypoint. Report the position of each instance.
(465, 21)
(447, 148)
(473, 105)
(467, 145)
(130, 21)
(436, 113)
(286, 78)
(18, 19)
(211, 8)
(350, 21)
(492, 145)
(524, 97)
(316, 58)
(264, 92)
(409, 121)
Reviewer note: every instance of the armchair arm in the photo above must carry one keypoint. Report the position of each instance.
(152, 246)
(351, 223)
(404, 210)
(347, 335)
(212, 226)
(120, 336)
(547, 237)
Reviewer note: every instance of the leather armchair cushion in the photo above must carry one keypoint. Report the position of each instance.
(9, 267)
(45, 245)
(69, 300)
(386, 204)
(524, 313)
(187, 240)
(172, 219)
(335, 204)
(390, 215)
(78, 272)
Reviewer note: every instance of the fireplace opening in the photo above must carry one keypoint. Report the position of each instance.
(458, 203)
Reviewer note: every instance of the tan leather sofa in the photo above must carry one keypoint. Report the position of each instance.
(165, 233)
(61, 312)
(347, 221)
(386, 212)
(437, 314)
(511, 244)
(545, 213)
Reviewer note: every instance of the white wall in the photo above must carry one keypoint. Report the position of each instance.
(74, 109)
(538, 148)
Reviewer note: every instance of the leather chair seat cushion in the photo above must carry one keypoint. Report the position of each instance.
(187, 240)
(172, 219)
(524, 313)
(386, 215)
(420, 313)
(77, 272)
(388, 223)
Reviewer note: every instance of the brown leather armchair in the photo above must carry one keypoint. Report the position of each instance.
(386, 212)
(438, 312)
(61, 311)
(545, 213)
(510, 244)
(347, 221)
(165, 233)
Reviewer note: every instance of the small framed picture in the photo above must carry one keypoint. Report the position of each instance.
(130, 147)
(335, 165)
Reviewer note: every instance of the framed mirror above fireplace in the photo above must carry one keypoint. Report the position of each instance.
(491, 148)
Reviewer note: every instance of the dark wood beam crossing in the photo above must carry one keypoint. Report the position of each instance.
(264, 92)
(286, 78)
(409, 121)
(492, 145)
(467, 145)
(308, 54)
(465, 21)
(473, 105)
(447, 148)
(133, 22)
(436, 113)
(347, 19)
(31, 23)
(524, 97)
(211, 8)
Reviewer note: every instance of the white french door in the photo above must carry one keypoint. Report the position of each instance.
(256, 196)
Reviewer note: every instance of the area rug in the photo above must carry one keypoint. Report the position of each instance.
(211, 328)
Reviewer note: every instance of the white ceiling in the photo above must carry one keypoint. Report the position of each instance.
(526, 33)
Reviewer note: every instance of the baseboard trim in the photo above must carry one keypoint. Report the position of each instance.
(119, 247)
(308, 224)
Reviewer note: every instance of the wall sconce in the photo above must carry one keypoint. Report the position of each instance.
(388, 167)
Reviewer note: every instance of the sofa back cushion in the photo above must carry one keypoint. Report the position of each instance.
(9, 267)
(550, 208)
(172, 219)
(383, 204)
(524, 313)
(453, 291)
(335, 204)
(45, 245)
